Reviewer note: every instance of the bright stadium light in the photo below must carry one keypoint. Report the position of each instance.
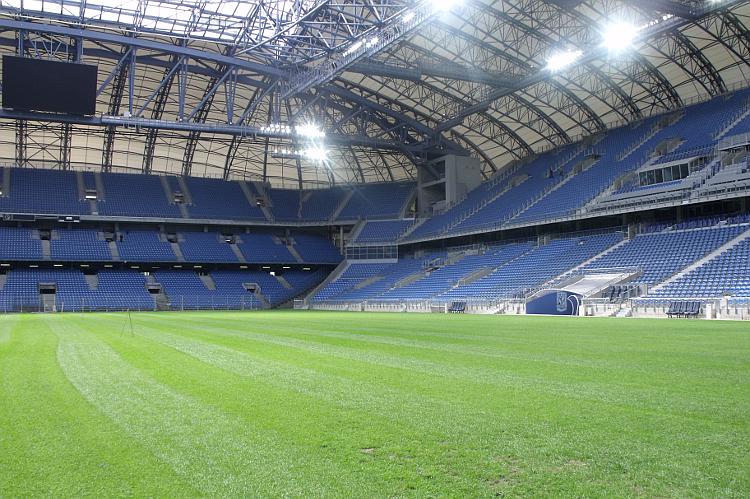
(309, 131)
(560, 60)
(356, 46)
(315, 154)
(444, 5)
(619, 36)
(276, 128)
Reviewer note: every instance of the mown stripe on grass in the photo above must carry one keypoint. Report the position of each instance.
(646, 438)
(495, 347)
(218, 453)
(450, 413)
(582, 341)
(496, 375)
(53, 443)
(7, 323)
(536, 442)
(389, 453)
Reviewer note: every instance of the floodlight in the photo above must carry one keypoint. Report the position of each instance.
(353, 48)
(560, 60)
(619, 36)
(315, 154)
(444, 5)
(309, 131)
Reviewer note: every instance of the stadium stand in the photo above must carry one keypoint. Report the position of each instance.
(320, 204)
(285, 204)
(217, 199)
(20, 244)
(516, 270)
(353, 275)
(577, 189)
(144, 246)
(524, 274)
(375, 231)
(224, 289)
(558, 183)
(501, 271)
(495, 201)
(662, 254)
(129, 195)
(206, 247)
(315, 249)
(726, 274)
(43, 192)
(78, 245)
(115, 290)
(601, 173)
(264, 247)
(187, 290)
(384, 200)
(701, 123)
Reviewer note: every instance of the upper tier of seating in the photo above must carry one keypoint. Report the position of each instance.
(216, 199)
(382, 231)
(78, 245)
(702, 122)
(128, 195)
(561, 182)
(41, 191)
(572, 180)
(123, 195)
(386, 200)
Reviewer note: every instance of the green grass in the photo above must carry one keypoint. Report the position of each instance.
(371, 405)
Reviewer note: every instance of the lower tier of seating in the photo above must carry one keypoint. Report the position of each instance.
(694, 260)
(74, 290)
(706, 259)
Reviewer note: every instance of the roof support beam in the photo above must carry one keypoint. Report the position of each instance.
(418, 71)
(237, 140)
(668, 7)
(199, 116)
(165, 81)
(125, 58)
(492, 95)
(195, 55)
(367, 45)
(115, 99)
(21, 136)
(156, 113)
(681, 51)
(141, 43)
(656, 30)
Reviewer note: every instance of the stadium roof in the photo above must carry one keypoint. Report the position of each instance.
(209, 88)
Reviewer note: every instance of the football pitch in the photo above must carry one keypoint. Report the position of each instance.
(323, 404)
